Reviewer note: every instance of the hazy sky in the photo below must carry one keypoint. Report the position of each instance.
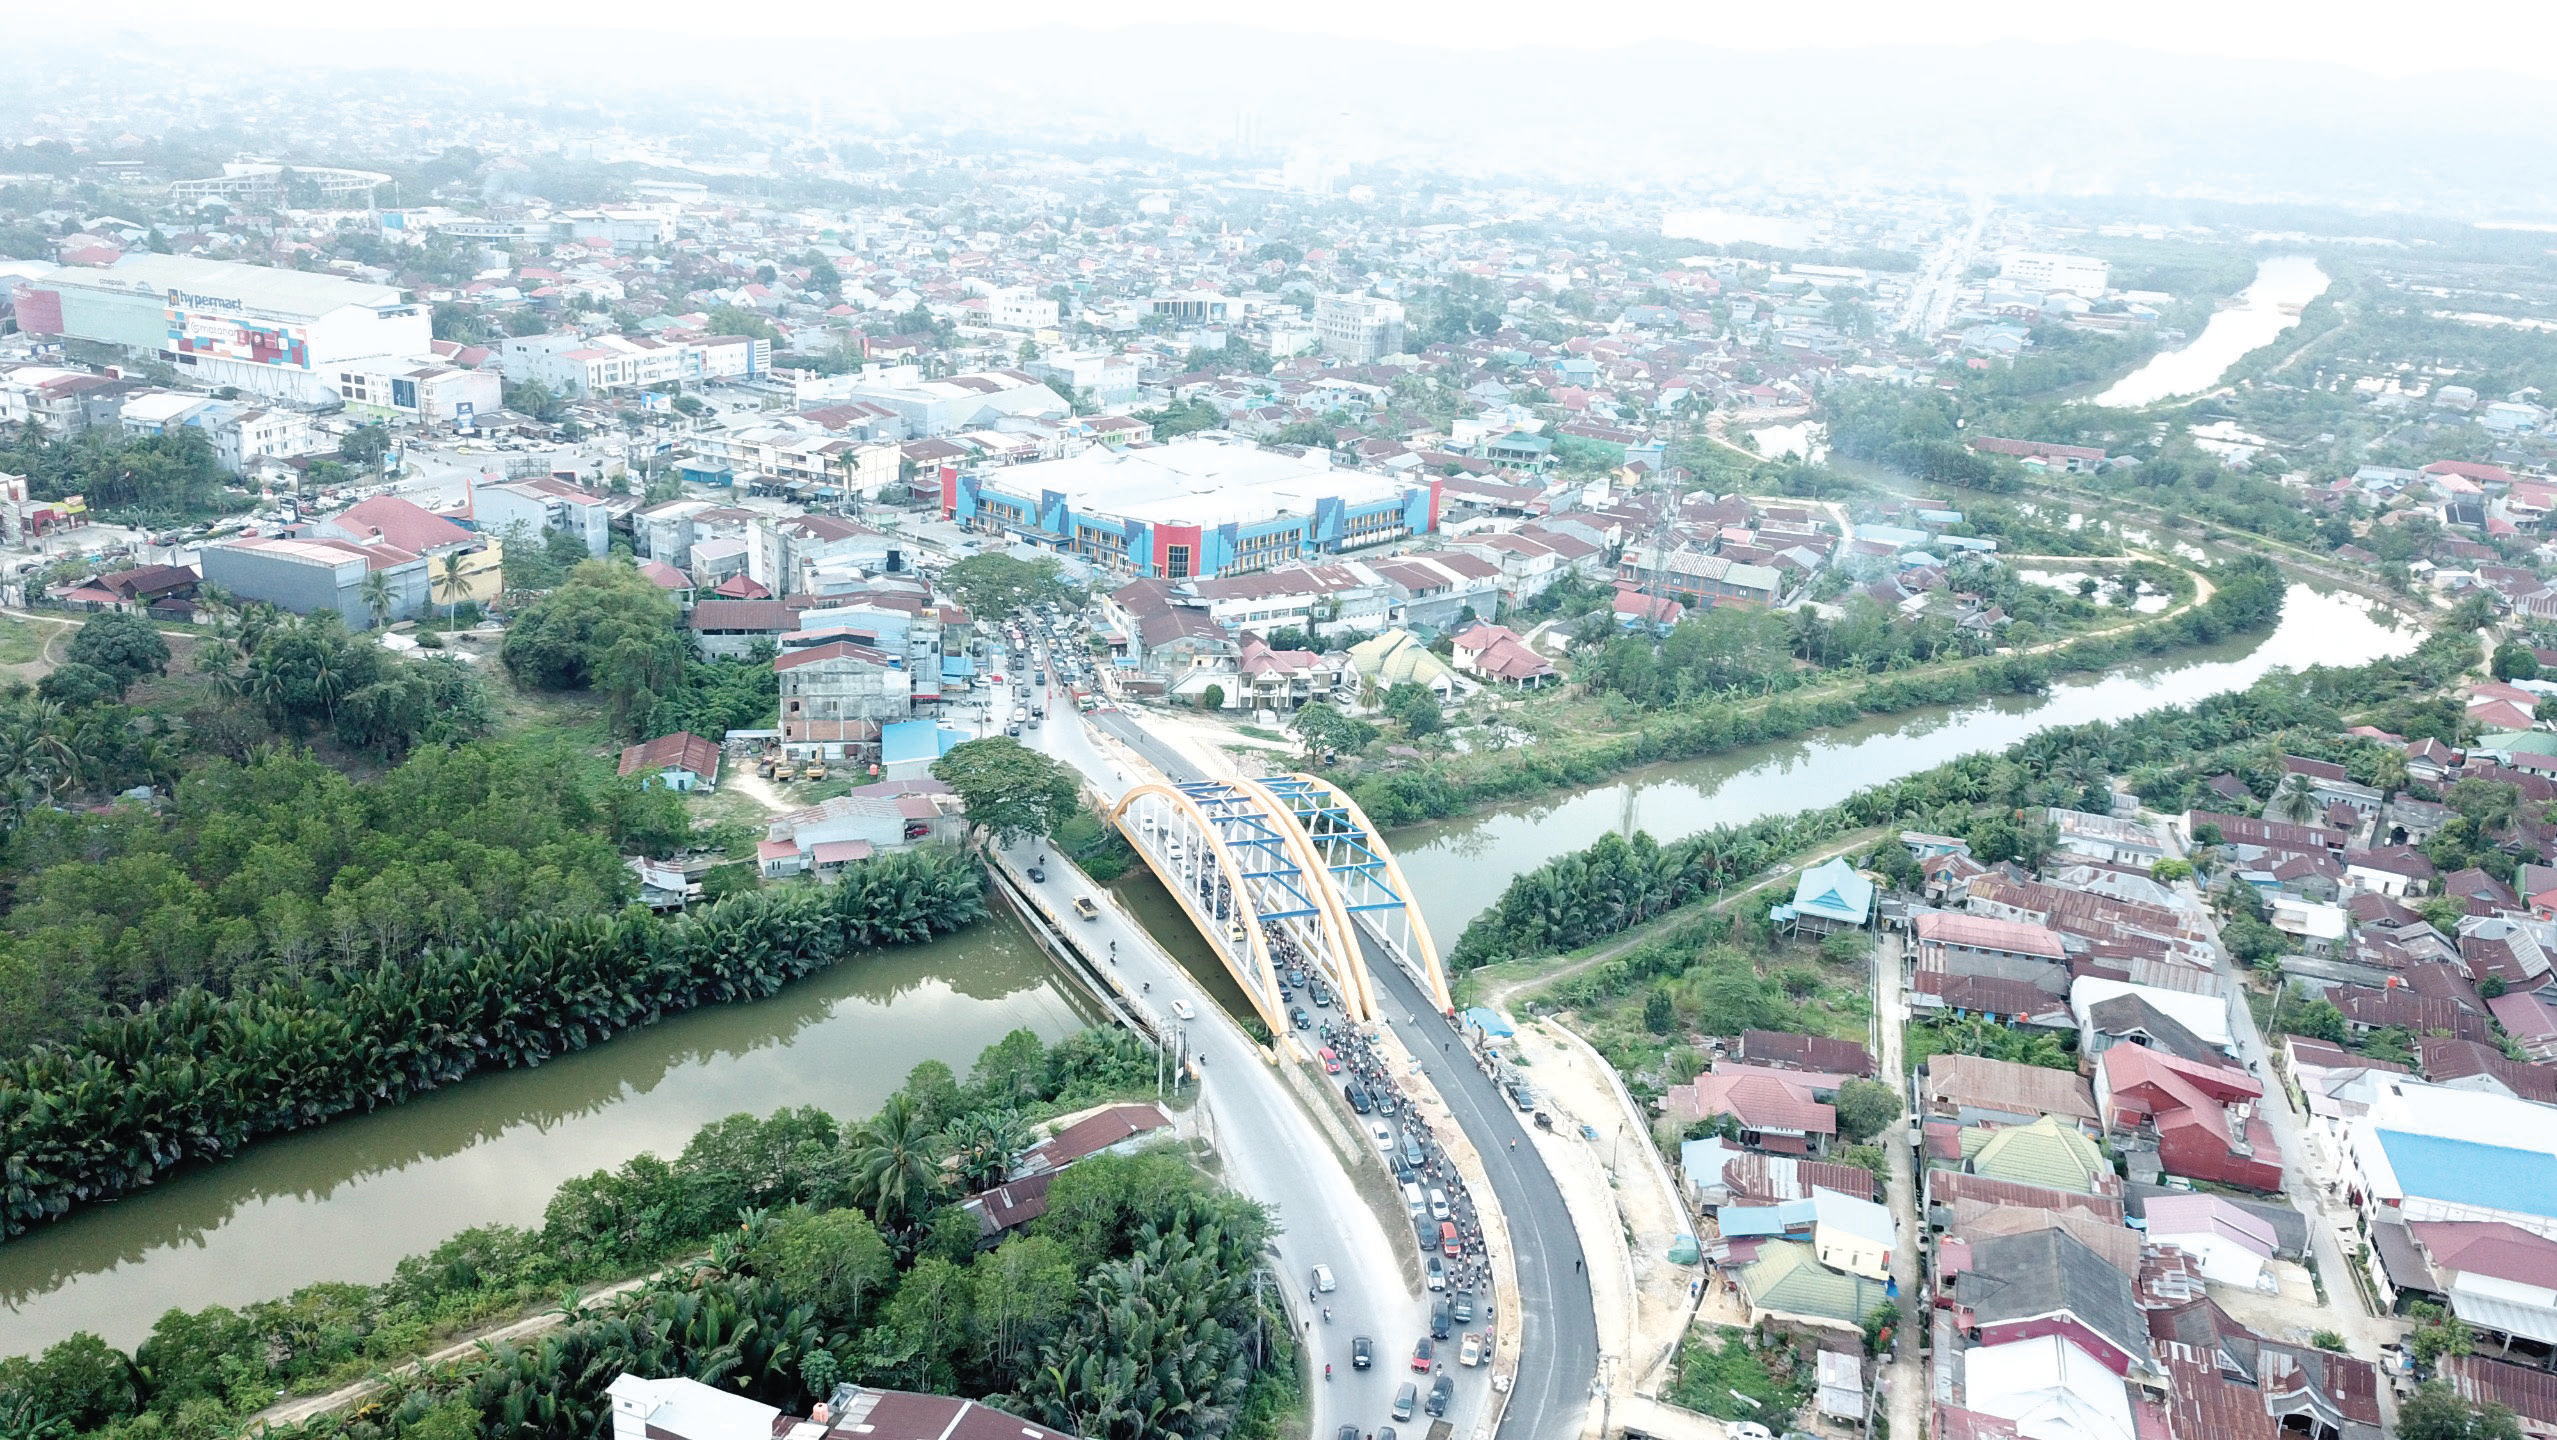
(2384, 36)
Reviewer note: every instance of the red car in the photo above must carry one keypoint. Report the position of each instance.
(1422, 1354)
(1331, 1062)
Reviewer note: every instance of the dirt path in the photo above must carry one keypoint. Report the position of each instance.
(1906, 1379)
(746, 782)
(295, 1411)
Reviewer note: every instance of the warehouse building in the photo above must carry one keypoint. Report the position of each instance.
(279, 334)
(310, 575)
(1201, 506)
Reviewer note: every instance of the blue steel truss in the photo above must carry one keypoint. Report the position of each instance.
(1248, 835)
(1334, 833)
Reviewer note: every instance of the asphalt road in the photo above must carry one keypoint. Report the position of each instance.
(1271, 1148)
(1558, 1342)
(1558, 1347)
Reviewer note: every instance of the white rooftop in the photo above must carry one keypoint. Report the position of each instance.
(2050, 1388)
(262, 289)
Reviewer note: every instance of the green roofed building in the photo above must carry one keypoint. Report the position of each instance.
(2050, 1152)
(1788, 1282)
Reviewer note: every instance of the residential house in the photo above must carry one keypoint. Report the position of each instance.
(2046, 1284)
(2202, 1118)
(680, 761)
(1828, 897)
(1787, 1283)
(837, 698)
(1777, 1110)
(1973, 1090)
(685, 1409)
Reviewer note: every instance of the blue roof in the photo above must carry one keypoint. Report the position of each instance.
(910, 740)
(957, 667)
(1834, 890)
(1742, 1221)
(1488, 1021)
(2489, 1177)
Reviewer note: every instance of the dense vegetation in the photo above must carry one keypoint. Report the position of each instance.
(144, 479)
(269, 871)
(1582, 897)
(202, 1073)
(834, 1253)
(607, 628)
(2249, 597)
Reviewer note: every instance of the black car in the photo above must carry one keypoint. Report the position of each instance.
(1441, 1390)
(1301, 1020)
(1037, 875)
(1357, 1096)
(1012, 730)
(1348, 1432)
(1464, 1307)
(1362, 1352)
(1405, 1174)
(1440, 1322)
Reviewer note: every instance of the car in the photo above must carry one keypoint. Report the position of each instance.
(1423, 1354)
(1413, 1155)
(1384, 1432)
(1323, 1283)
(1183, 1009)
(1441, 1391)
(1300, 1019)
(1012, 730)
(1471, 1351)
(1521, 1096)
(1440, 1322)
(1357, 1096)
(1437, 1273)
(1464, 1307)
(1438, 1204)
(1348, 1432)
(1331, 1060)
(1085, 909)
(1381, 1133)
(1037, 875)
(1362, 1352)
(1407, 1399)
(1448, 1241)
(1404, 1174)
(1747, 1430)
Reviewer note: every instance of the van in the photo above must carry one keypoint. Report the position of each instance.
(1447, 1239)
(1412, 1197)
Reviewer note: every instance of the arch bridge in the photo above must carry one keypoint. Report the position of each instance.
(1279, 874)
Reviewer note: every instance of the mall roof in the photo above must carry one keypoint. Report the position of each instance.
(261, 288)
(1194, 482)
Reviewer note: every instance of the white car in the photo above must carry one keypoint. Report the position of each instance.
(1747, 1430)
(1323, 1280)
(1182, 1009)
(1382, 1134)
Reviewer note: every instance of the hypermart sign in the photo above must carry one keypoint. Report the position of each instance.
(210, 326)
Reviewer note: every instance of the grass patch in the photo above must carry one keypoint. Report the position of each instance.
(1709, 1371)
(20, 642)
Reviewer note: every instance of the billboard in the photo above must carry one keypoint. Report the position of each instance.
(196, 331)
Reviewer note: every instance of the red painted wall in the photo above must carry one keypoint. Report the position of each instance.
(2064, 1326)
(1167, 536)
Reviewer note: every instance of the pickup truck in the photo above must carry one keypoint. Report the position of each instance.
(1085, 909)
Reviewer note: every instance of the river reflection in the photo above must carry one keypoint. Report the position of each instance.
(1459, 867)
(347, 1201)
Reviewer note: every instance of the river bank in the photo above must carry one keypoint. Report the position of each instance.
(347, 1201)
(2283, 287)
(1459, 867)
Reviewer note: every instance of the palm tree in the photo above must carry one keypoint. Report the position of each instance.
(987, 1140)
(377, 597)
(450, 585)
(2292, 799)
(896, 1164)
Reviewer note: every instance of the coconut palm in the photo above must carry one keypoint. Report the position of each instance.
(896, 1164)
(2292, 800)
(376, 591)
(450, 587)
(986, 1141)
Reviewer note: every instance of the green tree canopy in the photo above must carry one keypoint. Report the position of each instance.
(608, 628)
(125, 646)
(995, 584)
(1011, 791)
(1865, 1108)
